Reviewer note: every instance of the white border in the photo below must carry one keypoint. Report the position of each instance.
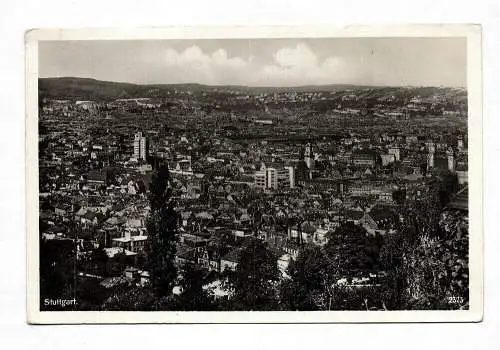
(474, 75)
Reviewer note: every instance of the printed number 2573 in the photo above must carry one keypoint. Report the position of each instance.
(455, 300)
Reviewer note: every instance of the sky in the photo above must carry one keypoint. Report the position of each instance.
(262, 62)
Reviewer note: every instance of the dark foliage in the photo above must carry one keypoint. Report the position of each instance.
(255, 279)
(350, 251)
(309, 278)
(193, 297)
(162, 228)
(57, 269)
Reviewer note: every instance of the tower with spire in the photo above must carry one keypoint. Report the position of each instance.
(431, 151)
(450, 154)
(460, 144)
(309, 157)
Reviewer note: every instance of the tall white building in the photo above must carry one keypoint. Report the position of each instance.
(144, 148)
(274, 178)
(140, 146)
(260, 179)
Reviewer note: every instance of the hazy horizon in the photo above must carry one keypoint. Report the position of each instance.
(398, 62)
(258, 86)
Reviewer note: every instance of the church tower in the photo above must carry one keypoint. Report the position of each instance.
(430, 155)
(309, 157)
(451, 159)
(460, 143)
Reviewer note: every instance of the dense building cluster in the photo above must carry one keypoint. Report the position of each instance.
(284, 167)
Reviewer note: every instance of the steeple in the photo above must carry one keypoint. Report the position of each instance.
(460, 143)
(450, 154)
(309, 157)
(431, 150)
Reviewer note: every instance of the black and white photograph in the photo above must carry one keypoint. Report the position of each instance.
(255, 173)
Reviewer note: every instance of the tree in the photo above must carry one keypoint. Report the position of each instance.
(424, 288)
(117, 264)
(392, 291)
(57, 269)
(310, 284)
(193, 297)
(449, 185)
(427, 269)
(90, 294)
(349, 252)
(437, 270)
(421, 217)
(95, 263)
(162, 228)
(132, 299)
(255, 279)
(399, 196)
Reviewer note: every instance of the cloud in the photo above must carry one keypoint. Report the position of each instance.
(193, 65)
(221, 59)
(297, 65)
(299, 57)
(300, 66)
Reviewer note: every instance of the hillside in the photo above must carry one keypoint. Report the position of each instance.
(91, 89)
(85, 89)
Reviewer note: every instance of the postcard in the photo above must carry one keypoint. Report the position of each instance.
(254, 174)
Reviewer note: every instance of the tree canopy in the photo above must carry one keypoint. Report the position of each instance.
(255, 279)
(162, 228)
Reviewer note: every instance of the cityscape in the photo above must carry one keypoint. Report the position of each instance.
(192, 196)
